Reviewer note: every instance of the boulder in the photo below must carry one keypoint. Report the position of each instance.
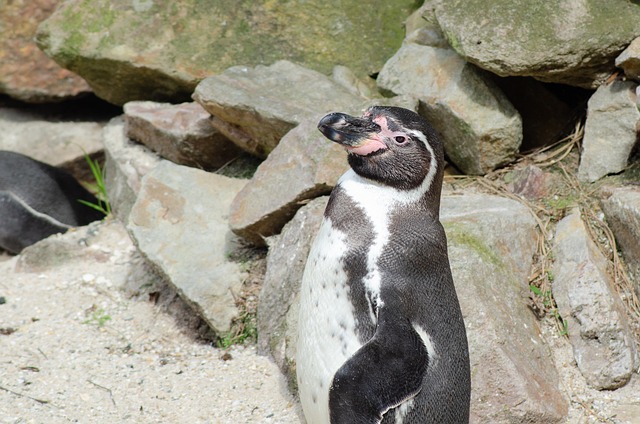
(179, 223)
(26, 73)
(126, 163)
(603, 345)
(256, 107)
(277, 310)
(303, 166)
(480, 128)
(146, 50)
(491, 244)
(621, 206)
(610, 130)
(568, 42)
(181, 133)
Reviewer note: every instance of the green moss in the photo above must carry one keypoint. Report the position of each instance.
(459, 234)
(315, 34)
(75, 41)
(561, 203)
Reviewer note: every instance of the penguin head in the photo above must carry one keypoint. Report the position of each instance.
(390, 145)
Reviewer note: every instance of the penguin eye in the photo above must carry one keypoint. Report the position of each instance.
(400, 139)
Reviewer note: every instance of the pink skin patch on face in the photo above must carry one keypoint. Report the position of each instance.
(370, 145)
(376, 141)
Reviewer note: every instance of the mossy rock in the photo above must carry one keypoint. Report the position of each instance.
(554, 41)
(159, 50)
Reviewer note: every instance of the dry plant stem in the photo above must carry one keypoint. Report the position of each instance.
(555, 155)
(44, 402)
(621, 280)
(108, 390)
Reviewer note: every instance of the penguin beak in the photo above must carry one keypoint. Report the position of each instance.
(357, 135)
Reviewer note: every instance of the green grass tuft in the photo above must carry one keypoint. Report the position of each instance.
(99, 187)
(98, 318)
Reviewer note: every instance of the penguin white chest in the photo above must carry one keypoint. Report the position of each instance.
(327, 323)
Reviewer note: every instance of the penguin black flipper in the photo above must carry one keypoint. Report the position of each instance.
(386, 371)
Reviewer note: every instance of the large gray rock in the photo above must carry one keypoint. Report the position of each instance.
(26, 73)
(179, 223)
(603, 346)
(570, 42)
(480, 128)
(126, 163)
(610, 130)
(152, 50)
(181, 133)
(277, 310)
(621, 207)
(491, 244)
(303, 166)
(256, 107)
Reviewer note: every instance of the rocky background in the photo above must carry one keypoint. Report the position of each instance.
(205, 116)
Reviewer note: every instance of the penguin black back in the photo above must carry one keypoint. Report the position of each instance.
(38, 200)
(378, 281)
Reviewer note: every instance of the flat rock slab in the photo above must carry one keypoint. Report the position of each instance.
(567, 42)
(26, 73)
(621, 207)
(610, 130)
(305, 165)
(480, 128)
(181, 133)
(179, 222)
(603, 345)
(256, 107)
(491, 243)
(157, 50)
(58, 143)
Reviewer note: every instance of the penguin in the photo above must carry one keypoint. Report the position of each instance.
(38, 200)
(381, 336)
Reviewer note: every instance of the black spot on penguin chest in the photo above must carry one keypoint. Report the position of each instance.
(350, 219)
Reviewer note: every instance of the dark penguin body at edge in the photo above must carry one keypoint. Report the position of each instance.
(38, 200)
(381, 334)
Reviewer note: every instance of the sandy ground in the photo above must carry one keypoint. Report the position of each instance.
(90, 334)
(93, 336)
